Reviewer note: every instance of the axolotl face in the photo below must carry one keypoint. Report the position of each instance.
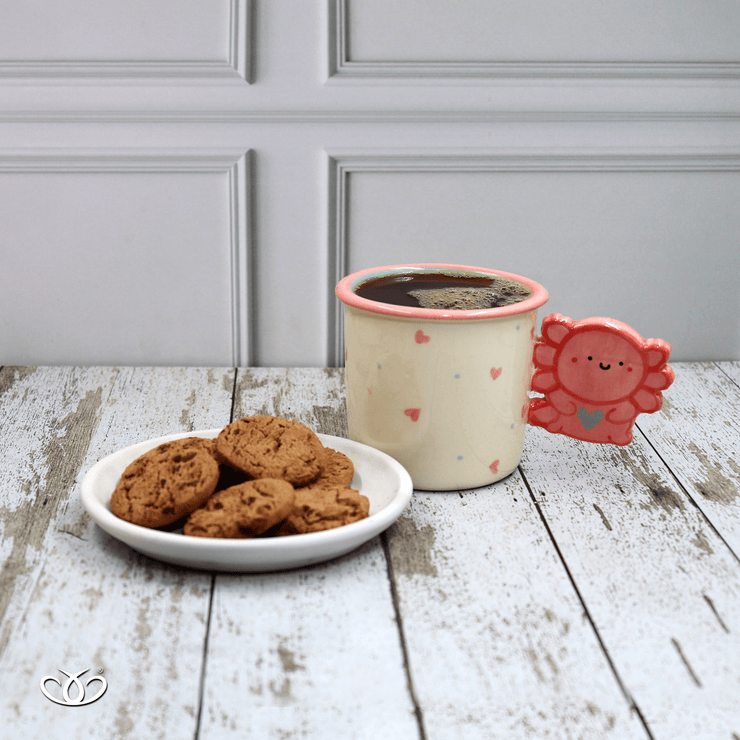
(600, 366)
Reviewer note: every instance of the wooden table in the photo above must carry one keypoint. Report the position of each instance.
(595, 593)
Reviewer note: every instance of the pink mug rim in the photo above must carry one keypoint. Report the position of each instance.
(346, 286)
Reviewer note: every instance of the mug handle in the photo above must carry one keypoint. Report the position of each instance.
(597, 375)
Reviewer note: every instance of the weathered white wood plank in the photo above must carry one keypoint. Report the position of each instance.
(313, 652)
(308, 653)
(731, 369)
(314, 396)
(697, 433)
(660, 585)
(97, 603)
(47, 418)
(498, 643)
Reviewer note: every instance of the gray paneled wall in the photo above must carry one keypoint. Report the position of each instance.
(182, 184)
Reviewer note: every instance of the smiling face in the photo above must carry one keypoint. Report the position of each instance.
(600, 366)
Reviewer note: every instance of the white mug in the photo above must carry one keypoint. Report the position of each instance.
(446, 391)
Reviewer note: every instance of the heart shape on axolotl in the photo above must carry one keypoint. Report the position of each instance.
(413, 414)
(589, 420)
(421, 338)
(495, 372)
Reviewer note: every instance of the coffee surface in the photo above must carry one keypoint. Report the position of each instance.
(444, 292)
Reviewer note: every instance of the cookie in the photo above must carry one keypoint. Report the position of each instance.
(272, 447)
(166, 483)
(242, 511)
(316, 509)
(338, 470)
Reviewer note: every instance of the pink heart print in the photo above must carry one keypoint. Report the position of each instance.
(413, 414)
(494, 466)
(495, 372)
(421, 338)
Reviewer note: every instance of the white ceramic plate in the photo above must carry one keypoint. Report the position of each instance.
(377, 475)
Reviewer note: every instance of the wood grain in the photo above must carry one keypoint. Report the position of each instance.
(313, 652)
(653, 575)
(307, 653)
(595, 593)
(697, 434)
(94, 602)
(313, 396)
(497, 639)
(48, 416)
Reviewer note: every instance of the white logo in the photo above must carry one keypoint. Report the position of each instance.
(73, 678)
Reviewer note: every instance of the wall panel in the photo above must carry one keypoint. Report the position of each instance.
(469, 37)
(137, 38)
(644, 238)
(124, 258)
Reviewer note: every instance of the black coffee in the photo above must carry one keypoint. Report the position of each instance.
(443, 291)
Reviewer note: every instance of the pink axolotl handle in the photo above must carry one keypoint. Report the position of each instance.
(597, 375)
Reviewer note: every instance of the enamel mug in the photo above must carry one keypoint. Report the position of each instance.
(446, 392)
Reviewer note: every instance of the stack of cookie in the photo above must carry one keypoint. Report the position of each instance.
(262, 476)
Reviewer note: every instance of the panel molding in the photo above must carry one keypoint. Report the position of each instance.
(380, 116)
(237, 68)
(242, 247)
(237, 165)
(342, 67)
(341, 164)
